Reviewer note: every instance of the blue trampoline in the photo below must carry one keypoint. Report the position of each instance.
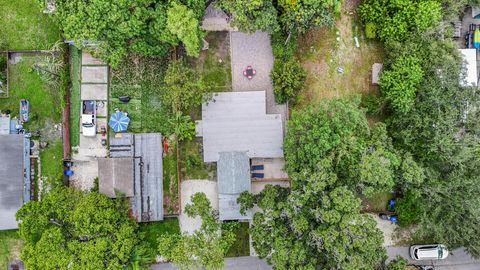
(119, 122)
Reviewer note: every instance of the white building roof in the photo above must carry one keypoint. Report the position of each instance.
(237, 122)
(469, 57)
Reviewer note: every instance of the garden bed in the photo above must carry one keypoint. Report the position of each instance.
(241, 247)
(192, 165)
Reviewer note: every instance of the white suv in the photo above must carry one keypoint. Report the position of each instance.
(428, 252)
(89, 128)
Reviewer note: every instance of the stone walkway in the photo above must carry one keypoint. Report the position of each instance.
(254, 50)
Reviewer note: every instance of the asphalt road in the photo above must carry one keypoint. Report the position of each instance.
(458, 259)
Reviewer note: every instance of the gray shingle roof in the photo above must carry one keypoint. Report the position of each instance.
(237, 121)
(115, 175)
(233, 173)
(11, 179)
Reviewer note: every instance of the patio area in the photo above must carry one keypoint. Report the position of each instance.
(254, 50)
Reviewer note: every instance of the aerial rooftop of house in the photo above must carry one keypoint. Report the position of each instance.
(135, 168)
(238, 122)
(15, 174)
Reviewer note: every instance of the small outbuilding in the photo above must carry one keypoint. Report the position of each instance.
(233, 177)
(135, 167)
(115, 175)
(469, 67)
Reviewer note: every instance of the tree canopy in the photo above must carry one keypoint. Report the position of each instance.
(315, 225)
(250, 16)
(206, 247)
(70, 229)
(396, 20)
(130, 26)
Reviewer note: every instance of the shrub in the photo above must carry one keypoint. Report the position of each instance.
(282, 50)
(372, 103)
(288, 79)
(400, 82)
(407, 209)
(370, 30)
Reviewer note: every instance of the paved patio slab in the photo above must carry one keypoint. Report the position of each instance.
(94, 91)
(88, 59)
(94, 74)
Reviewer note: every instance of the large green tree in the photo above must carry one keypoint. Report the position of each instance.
(251, 15)
(129, 26)
(315, 225)
(396, 20)
(70, 229)
(184, 87)
(288, 79)
(206, 247)
(364, 158)
(181, 22)
(297, 17)
(399, 82)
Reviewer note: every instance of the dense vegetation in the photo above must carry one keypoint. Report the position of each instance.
(147, 27)
(70, 229)
(432, 116)
(207, 246)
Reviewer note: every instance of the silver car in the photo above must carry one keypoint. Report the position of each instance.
(428, 252)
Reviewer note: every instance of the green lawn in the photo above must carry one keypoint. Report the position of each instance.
(51, 163)
(214, 63)
(152, 231)
(10, 246)
(378, 202)
(23, 26)
(45, 111)
(241, 247)
(75, 61)
(26, 83)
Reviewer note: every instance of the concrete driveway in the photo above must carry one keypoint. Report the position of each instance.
(458, 259)
(190, 187)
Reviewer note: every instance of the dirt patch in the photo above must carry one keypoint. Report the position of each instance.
(335, 66)
(15, 246)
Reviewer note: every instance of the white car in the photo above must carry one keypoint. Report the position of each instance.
(88, 120)
(428, 252)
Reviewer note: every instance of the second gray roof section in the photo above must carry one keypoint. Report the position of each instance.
(233, 173)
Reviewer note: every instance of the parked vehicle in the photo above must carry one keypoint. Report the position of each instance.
(24, 110)
(428, 252)
(89, 128)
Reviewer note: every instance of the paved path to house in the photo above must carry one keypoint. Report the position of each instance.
(94, 86)
(254, 50)
(237, 263)
(190, 187)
